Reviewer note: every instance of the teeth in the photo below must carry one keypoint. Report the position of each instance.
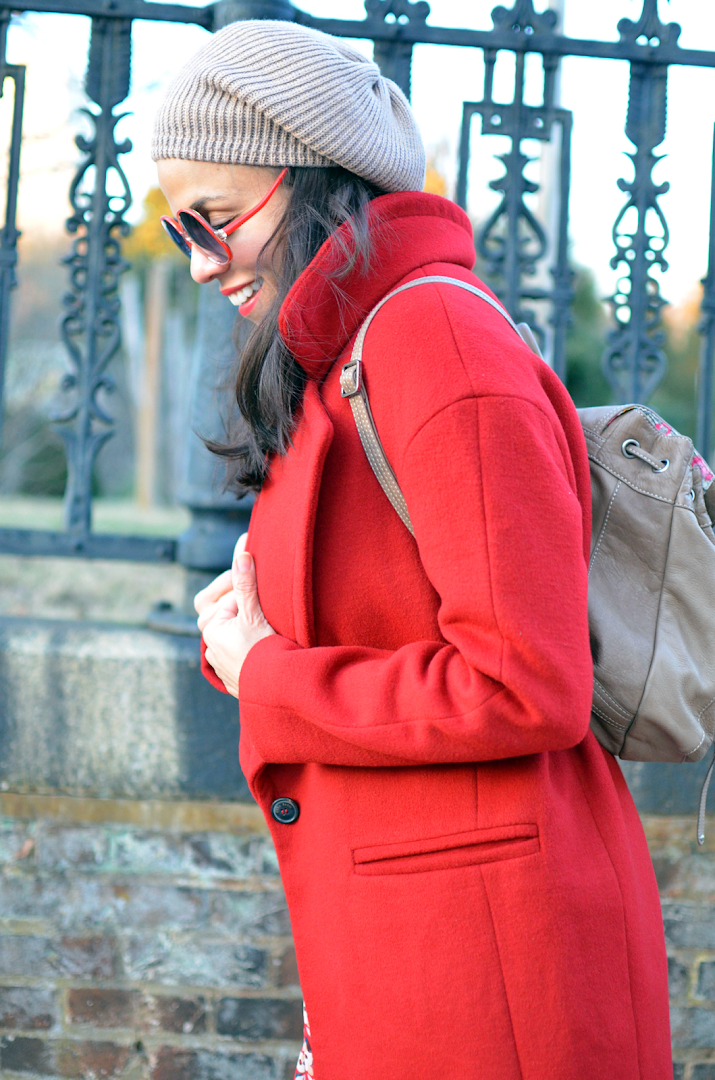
(242, 295)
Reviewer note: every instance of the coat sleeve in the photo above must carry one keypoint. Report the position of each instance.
(500, 535)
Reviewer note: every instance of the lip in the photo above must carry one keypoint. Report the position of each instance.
(247, 308)
(236, 288)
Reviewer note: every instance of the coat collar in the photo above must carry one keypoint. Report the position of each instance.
(408, 230)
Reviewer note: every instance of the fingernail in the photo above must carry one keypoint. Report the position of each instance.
(243, 562)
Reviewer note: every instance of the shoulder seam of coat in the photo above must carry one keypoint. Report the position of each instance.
(476, 398)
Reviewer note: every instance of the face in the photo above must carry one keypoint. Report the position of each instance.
(221, 193)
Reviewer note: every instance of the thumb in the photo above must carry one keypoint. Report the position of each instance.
(245, 586)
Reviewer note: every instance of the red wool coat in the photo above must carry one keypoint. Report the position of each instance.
(469, 886)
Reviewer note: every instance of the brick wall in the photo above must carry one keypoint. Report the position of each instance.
(686, 878)
(150, 941)
(143, 954)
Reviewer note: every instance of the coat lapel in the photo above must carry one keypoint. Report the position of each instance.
(282, 524)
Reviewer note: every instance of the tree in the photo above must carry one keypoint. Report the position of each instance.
(585, 344)
(147, 240)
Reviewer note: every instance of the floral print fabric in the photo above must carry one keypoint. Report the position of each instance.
(305, 1061)
(698, 461)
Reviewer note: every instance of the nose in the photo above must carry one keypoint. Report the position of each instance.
(202, 269)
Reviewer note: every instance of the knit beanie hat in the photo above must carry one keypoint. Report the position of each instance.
(267, 92)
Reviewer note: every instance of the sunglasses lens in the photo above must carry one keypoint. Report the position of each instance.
(172, 231)
(203, 238)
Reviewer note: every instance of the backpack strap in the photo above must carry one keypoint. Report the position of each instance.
(352, 386)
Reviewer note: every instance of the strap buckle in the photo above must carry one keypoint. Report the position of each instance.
(350, 379)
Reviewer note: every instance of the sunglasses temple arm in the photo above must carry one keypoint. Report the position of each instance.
(240, 221)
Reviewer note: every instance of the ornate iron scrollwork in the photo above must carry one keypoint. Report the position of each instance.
(90, 328)
(401, 11)
(9, 232)
(523, 19)
(395, 57)
(224, 12)
(634, 362)
(649, 30)
(512, 242)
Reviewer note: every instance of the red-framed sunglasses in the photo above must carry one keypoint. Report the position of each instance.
(192, 229)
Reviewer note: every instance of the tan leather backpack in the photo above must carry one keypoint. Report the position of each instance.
(651, 613)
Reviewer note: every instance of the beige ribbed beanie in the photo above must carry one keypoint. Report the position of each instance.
(265, 92)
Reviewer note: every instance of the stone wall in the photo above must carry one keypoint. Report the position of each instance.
(150, 941)
(143, 953)
(143, 931)
(117, 711)
(686, 878)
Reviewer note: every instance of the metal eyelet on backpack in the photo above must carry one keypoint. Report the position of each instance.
(643, 455)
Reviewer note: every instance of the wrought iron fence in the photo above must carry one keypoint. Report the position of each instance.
(512, 243)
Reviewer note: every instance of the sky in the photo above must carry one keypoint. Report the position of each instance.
(54, 49)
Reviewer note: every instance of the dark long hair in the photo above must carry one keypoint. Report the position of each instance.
(269, 382)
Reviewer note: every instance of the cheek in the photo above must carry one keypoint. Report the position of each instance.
(249, 244)
(246, 251)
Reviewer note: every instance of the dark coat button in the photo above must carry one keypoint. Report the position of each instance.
(285, 810)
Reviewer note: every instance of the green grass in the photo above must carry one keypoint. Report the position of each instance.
(109, 516)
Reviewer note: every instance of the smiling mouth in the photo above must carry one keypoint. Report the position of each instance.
(242, 295)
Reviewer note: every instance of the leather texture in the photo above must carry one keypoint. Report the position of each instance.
(650, 621)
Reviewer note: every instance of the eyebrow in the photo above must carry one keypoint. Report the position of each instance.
(200, 203)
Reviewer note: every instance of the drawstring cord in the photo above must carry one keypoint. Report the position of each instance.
(632, 448)
(703, 800)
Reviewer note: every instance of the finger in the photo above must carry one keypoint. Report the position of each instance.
(227, 686)
(245, 587)
(206, 615)
(220, 585)
(214, 590)
(209, 657)
(226, 608)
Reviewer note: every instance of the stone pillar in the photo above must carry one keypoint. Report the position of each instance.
(218, 520)
(228, 11)
(217, 517)
(144, 931)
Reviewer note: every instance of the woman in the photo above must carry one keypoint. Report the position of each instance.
(468, 882)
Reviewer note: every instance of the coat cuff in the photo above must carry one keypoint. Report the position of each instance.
(275, 700)
(258, 667)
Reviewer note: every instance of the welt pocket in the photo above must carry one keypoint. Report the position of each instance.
(443, 852)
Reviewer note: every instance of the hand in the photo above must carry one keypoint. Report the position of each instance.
(206, 601)
(231, 619)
